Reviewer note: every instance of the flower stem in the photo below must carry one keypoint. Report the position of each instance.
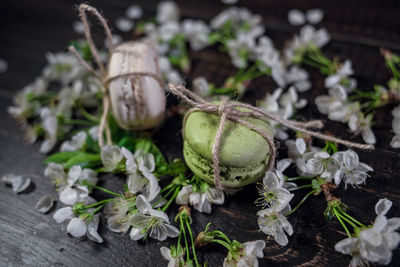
(163, 197)
(346, 219)
(223, 243)
(191, 239)
(106, 190)
(222, 235)
(301, 202)
(300, 187)
(87, 115)
(351, 218)
(79, 122)
(184, 235)
(104, 201)
(171, 199)
(298, 178)
(97, 209)
(341, 222)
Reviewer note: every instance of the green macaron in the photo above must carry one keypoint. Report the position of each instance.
(244, 154)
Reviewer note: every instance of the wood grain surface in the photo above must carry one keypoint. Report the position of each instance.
(30, 28)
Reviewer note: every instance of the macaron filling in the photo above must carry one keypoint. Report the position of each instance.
(230, 176)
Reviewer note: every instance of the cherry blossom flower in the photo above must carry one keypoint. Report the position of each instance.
(116, 211)
(197, 32)
(343, 73)
(375, 243)
(358, 123)
(167, 11)
(174, 256)
(272, 193)
(63, 67)
(50, 126)
(111, 156)
(201, 200)
(201, 86)
(81, 226)
(134, 12)
(139, 168)
(77, 142)
(248, 256)
(313, 16)
(275, 224)
(351, 170)
(148, 221)
(123, 24)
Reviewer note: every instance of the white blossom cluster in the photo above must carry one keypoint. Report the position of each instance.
(339, 108)
(201, 197)
(342, 166)
(375, 243)
(72, 190)
(275, 198)
(139, 168)
(76, 86)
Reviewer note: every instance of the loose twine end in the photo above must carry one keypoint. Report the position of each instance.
(104, 126)
(228, 111)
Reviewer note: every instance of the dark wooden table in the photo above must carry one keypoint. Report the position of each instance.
(30, 28)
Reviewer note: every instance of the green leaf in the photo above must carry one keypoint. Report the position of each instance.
(85, 160)
(61, 157)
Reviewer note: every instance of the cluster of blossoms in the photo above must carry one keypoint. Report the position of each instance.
(342, 166)
(314, 165)
(44, 113)
(374, 243)
(74, 188)
(338, 107)
(200, 195)
(275, 198)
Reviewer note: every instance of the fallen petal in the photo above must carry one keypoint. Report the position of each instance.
(45, 204)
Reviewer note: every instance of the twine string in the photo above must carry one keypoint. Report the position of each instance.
(104, 126)
(229, 111)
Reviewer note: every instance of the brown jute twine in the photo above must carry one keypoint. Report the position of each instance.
(103, 75)
(228, 111)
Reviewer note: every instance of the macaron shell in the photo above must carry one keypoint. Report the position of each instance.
(231, 177)
(240, 146)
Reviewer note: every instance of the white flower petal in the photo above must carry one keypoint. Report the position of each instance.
(44, 204)
(69, 196)
(383, 206)
(283, 164)
(134, 12)
(347, 245)
(111, 156)
(63, 214)
(76, 227)
(314, 16)
(92, 227)
(296, 17)
(142, 204)
(136, 234)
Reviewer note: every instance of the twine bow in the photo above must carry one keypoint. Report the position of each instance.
(103, 76)
(228, 111)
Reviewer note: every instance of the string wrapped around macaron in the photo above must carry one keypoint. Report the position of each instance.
(131, 84)
(229, 111)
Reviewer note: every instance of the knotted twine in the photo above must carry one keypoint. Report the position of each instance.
(228, 111)
(103, 75)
